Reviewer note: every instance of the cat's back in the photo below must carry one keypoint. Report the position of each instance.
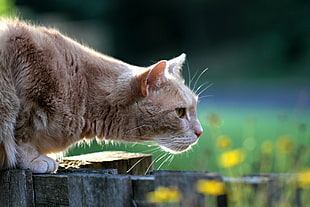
(9, 27)
(18, 38)
(13, 31)
(10, 31)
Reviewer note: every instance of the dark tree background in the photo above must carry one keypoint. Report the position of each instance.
(240, 38)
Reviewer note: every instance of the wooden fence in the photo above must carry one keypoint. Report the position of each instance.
(105, 187)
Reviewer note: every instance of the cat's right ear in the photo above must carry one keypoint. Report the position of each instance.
(153, 78)
(175, 64)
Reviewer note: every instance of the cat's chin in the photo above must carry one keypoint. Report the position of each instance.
(174, 151)
(177, 149)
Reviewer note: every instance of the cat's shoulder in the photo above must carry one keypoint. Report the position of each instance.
(11, 21)
(14, 31)
(15, 25)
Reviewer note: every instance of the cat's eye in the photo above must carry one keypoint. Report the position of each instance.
(181, 112)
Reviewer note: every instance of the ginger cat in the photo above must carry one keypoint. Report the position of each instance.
(55, 92)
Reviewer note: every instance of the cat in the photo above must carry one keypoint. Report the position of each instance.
(55, 92)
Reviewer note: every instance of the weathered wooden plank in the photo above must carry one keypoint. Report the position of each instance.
(100, 190)
(100, 187)
(222, 200)
(16, 188)
(141, 186)
(124, 162)
(86, 171)
(52, 189)
(185, 181)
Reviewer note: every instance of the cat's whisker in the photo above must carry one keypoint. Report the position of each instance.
(134, 165)
(189, 75)
(134, 144)
(199, 78)
(138, 127)
(182, 140)
(149, 144)
(152, 150)
(138, 137)
(142, 138)
(188, 152)
(193, 79)
(204, 89)
(164, 161)
(155, 160)
(149, 167)
(171, 159)
(205, 96)
(199, 87)
(161, 157)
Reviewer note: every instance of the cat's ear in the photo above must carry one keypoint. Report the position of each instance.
(175, 64)
(157, 75)
(154, 77)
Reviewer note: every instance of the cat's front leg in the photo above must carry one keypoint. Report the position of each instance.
(29, 158)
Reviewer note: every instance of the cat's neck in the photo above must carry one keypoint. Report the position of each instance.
(110, 97)
(110, 81)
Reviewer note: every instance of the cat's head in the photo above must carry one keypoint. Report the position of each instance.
(166, 110)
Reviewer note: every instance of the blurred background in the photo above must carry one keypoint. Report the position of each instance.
(258, 59)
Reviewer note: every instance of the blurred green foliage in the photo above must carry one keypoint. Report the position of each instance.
(269, 139)
(233, 38)
(7, 8)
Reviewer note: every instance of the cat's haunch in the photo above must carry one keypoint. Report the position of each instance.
(55, 92)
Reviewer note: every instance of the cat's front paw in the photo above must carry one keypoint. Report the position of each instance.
(43, 164)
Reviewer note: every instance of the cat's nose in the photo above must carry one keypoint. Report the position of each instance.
(198, 133)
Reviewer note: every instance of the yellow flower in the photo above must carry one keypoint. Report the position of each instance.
(164, 195)
(303, 179)
(285, 144)
(231, 158)
(210, 187)
(267, 147)
(223, 142)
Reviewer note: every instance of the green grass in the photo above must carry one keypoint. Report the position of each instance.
(248, 128)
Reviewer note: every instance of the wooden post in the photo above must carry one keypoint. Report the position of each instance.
(72, 171)
(104, 187)
(16, 188)
(141, 186)
(100, 190)
(53, 190)
(124, 162)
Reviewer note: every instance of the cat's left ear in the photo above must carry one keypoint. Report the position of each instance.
(174, 65)
(154, 77)
(157, 75)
